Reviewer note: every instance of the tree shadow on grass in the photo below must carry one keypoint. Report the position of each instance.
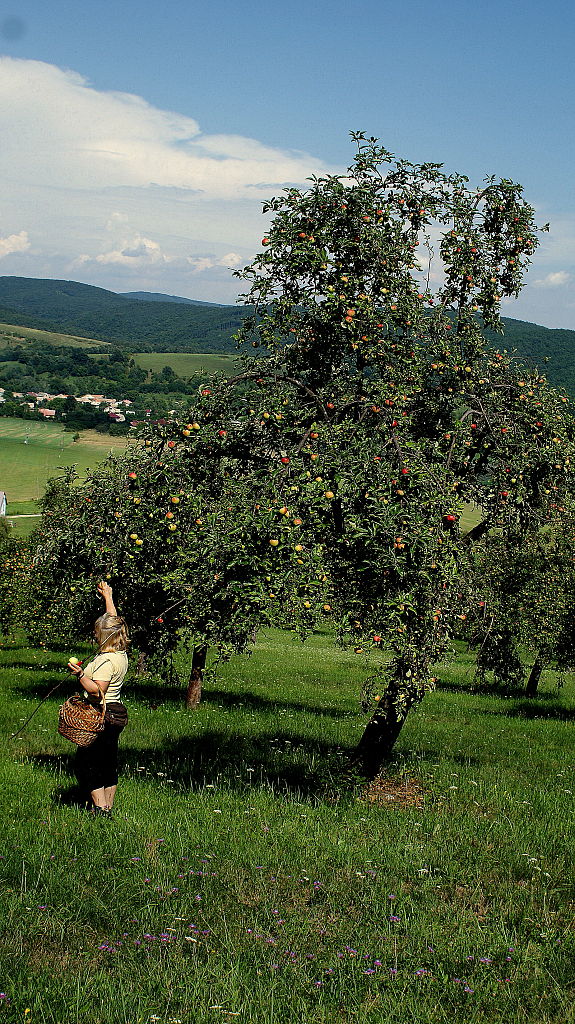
(490, 690)
(237, 761)
(483, 689)
(153, 696)
(529, 710)
(302, 768)
(313, 770)
(254, 702)
(68, 794)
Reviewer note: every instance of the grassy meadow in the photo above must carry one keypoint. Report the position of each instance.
(184, 364)
(248, 875)
(32, 451)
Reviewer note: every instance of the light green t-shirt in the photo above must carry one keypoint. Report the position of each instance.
(108, 667)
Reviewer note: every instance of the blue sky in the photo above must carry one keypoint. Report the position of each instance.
(139, 140)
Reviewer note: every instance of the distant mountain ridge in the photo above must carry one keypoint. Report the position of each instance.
(153, 322)
(160, 297)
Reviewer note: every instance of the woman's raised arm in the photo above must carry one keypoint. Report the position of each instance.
(105, 591)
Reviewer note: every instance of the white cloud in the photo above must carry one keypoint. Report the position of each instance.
(81, 138)
(138, 252)
(14, 243)
(553, 280)
(111, 187)
(200, 263)
(230, 261)
(134, 252)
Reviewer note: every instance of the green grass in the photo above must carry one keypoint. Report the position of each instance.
(23, 517)
(23, 508)
(184, 364)
(31, 452)
(11, 335)
(246, 876)
(470, 517)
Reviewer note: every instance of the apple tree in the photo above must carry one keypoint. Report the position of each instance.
(328, 478)
(173, 527)
(526, 591)
(13, 561)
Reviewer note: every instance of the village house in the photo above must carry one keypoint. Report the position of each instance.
(40, 399)
(93, 400)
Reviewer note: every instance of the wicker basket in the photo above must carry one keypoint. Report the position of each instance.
(79, 721)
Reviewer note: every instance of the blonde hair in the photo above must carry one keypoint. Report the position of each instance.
(111, 633)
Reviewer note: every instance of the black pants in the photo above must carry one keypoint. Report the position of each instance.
(96, 766)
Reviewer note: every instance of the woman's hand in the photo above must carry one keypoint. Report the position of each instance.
(75, 667)
(104, 589)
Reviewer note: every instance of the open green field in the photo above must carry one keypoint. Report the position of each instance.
(247, 876)
(10, 335)
(184, 364)
(31, 452)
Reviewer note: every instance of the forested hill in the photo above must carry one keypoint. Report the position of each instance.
(154, 326)
(169, 323)
(13, 316)
(552, 350)
(160, 297)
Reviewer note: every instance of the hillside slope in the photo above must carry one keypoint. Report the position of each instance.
(87, 311)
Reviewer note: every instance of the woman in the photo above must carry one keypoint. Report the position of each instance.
(96, 766)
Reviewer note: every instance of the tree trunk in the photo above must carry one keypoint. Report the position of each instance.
(194, 693)
(141, 663)
(534, 677)
(381, 732)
